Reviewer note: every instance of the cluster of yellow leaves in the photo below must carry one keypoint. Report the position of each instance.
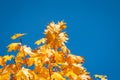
(54, 35)
(50, 61)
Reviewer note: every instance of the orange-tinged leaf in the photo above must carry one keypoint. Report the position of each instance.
(26, 74)
(5, 76)
(77, 69)
(58, 58)
(71, 75)
(17, 36)
(2, 62)
(79, 59)
(30, 61)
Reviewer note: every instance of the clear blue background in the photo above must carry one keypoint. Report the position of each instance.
(93, 28)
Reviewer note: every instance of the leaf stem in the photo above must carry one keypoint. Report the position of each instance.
(21, 40)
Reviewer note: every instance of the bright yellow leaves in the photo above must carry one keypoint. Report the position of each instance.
(54, 35)
(50, 61)
(13, 46)
(17, 36)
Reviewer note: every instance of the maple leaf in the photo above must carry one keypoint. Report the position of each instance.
(6, 72)
(27, 50)
(102, 77)
(26, 74)
(52, 28)
(57, 76)
(74, 59)
(84, 77)
(63, 37)
(5, 76)
(2, 62)
(71, 75)
(38, 42)
(77, 69)
(17, 36)
(7, 57)
(65, 49)
(4, 59)
(13, 46)
(58, 58)
(30, 61)
(62, 25)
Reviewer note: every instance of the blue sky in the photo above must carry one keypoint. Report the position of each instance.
(93, 28)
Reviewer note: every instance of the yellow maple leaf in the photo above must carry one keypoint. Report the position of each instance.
(62, 24)
(5, 76)
(77, 69)
(17, 36)
(84, 77)
(63, 37)
(30, 61)
(26, 74)
(2, 62)
(74, 59)
(7, 57)
(13, 46)
(102, 77)
(38, 42)
(57, 76)
(58, 58)
(71, 75)
(65, 49)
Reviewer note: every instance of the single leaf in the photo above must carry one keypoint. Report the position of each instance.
(5, 76)
(38, 42)
(62, 25)
(102, 77)
(13, 46)
(2, 62)
(25, 74)
(7, 57)
(71, 75)
(17, 36)
(57, 76)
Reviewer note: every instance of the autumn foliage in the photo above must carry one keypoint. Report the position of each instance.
(51, 60)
